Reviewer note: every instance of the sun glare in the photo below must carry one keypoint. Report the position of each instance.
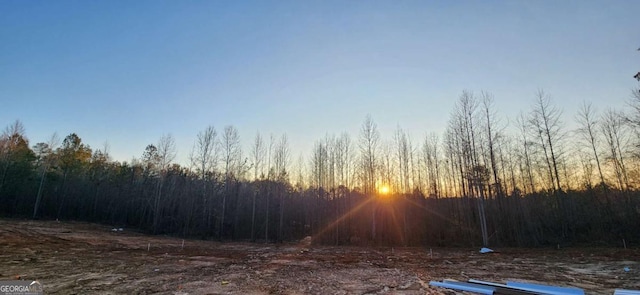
(384, 189)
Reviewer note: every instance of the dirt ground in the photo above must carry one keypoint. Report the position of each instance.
(83, 258)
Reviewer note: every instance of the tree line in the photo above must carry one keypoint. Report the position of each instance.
(486, 180)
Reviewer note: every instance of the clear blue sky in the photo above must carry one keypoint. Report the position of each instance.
(128, 71)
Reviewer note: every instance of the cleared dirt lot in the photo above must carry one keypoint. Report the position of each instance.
(82, 258)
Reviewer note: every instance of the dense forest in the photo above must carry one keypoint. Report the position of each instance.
(487, 180)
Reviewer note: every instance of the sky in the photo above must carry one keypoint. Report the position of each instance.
(127, 72)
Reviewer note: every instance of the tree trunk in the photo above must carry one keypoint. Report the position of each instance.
(253, 216)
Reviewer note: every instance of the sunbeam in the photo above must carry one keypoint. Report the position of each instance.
(437, 214)
(341, 218)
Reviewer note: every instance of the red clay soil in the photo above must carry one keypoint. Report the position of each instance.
(83, 258)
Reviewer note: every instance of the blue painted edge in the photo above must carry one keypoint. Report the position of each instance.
(463, 287)
(551, 290)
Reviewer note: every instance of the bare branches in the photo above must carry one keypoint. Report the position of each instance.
(281, 158)
(206, 151)
(587, 120)
(368, 144)
(545, 120)
(166, 151)
(231, 151)
(616, 137)
(258, 153)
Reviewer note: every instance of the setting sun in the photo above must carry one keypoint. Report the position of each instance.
(384, 189)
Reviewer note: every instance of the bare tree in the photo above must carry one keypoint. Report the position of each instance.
(431, 158)
(386, 169)
(457, 185)
(343, 167)
(281, 162)
(491, 134)
(231, 152)
(269, 178)
(205, 158)
(463, 131)
(166, 153)
(404, 154)
(319, 167)
(507, 151)
(403, 158)
(344, 159)
(616, 137)
(368, 144)
(588, 133)
(300, 173)
(545, 118)
(523, 126)
(634, 117)
(231, 156)
(258, 154)
(206, 152)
